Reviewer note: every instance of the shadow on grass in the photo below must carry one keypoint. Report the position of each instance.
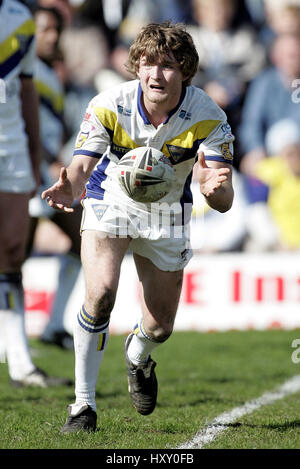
(40, 396)
(203, 400)
(282, 427)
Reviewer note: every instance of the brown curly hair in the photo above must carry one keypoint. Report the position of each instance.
(160, 39)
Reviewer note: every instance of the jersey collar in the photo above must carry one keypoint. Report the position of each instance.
(171, 113)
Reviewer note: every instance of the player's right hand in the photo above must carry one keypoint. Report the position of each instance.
(60, 195)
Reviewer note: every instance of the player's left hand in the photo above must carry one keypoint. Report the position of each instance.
(60, 195)
(210, 179)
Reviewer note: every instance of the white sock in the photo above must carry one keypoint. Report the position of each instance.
(141, 345)
(13, 323)
(90, 341)
(2, 338)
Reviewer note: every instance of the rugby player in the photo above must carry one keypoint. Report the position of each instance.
(162, 110)
(19, 177)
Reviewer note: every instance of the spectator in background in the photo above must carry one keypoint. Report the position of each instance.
(107, 15)
(256, 12)
(85, 49)
(49, 25)
(281, 17)
(155, 11)
(269, 99)
(281, 172)
(229, 57)
(213, 232)
(63, 6)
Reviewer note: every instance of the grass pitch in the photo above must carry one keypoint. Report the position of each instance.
(200, 376)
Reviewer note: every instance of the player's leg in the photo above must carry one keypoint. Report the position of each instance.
(33, 223)
(101, 261)
(70, 225)
(160, 297)
(69, 268)
(13, 237)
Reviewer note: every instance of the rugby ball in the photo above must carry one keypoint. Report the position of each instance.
(145, 174)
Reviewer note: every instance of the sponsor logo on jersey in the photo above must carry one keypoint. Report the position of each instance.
(184, 254)
(176, 153)
(185, 115)
(99, 210)
(118, 150)
(227, 134)
(14, 11)
(124, 111)
(81, 139)
(226, 151)
(86, 127)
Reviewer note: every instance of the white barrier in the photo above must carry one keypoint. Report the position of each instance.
(220, 292)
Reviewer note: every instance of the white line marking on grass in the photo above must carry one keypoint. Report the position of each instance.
(222, 422)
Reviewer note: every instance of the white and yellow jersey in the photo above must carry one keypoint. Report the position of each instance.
(51, 96)
(17, 57)
(115, 123)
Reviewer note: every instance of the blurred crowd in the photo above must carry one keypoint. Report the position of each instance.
(249, 64)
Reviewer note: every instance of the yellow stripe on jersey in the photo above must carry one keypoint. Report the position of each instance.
(120, 137)
(56, 99)
(107, 118)
(12, 44)
(186, 139)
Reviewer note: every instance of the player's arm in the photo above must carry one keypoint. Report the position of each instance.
(30, 112)
(215, 180)
(71, 183)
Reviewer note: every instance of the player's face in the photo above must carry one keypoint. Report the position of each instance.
(161, 81)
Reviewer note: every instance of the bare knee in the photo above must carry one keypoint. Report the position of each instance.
(160, 332)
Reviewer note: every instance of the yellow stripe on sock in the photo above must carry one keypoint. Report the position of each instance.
(11, 302)
(100, 342)
(90, 321)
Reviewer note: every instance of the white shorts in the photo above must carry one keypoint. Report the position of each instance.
(37, 206)
(16, 174)
(168, 247)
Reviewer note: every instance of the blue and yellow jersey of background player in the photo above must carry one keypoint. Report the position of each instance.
(17, 58)
(51, 95)
(51, 103)
(115, 123)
